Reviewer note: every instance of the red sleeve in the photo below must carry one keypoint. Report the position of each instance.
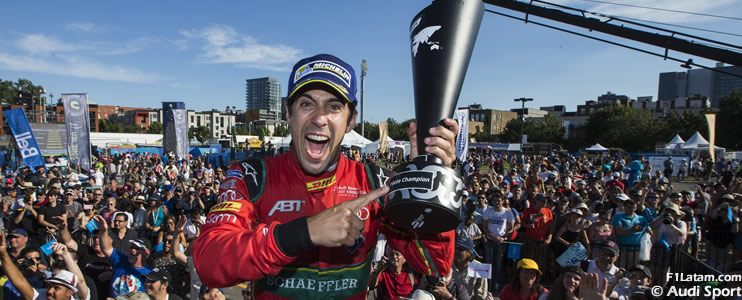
(428, 253)
(232, 248)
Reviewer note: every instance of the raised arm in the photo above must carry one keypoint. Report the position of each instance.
(82, 287)
(106, 243)
(180, 257)
(16, 277)
(65, 236)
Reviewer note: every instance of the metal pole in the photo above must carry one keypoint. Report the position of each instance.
(364, 69)
(522, 118)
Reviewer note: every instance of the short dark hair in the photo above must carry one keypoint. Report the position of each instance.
(298, 93)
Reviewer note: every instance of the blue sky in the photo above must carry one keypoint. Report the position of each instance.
(140, 53)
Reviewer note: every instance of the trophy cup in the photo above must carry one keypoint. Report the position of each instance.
(425, 195)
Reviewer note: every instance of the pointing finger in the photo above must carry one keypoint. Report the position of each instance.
(358, 203)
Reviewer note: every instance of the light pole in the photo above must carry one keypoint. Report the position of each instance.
(364, 69)
(522, 118)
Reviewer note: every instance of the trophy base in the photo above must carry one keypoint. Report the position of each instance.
(424, 196)
(422, 216)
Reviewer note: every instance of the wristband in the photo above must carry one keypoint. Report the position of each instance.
(293, 237)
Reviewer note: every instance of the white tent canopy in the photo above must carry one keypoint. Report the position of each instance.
(676, 140)
(351, 139)
(597, 148)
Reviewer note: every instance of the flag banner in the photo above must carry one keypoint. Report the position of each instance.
(711, 119)
(175, 129)
(24, 138)
(462, 140)
(383, 133)
(77, 125)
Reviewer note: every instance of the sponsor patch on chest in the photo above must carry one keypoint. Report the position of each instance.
(320, 184)
(284, 206)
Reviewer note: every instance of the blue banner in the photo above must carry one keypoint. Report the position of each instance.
(77, 123)
(175, 129)
(24, 138)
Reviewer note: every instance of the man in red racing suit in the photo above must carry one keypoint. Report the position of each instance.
(260, 230)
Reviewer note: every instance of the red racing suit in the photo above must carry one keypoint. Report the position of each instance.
(258, 232)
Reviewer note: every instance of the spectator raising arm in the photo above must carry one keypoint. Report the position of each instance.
(82, 287)
(179, 256)
(16, 277)
(65, 236)
(106, 244)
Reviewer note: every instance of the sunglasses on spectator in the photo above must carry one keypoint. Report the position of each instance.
(119, 221)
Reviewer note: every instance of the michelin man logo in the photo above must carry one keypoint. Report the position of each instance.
(423, 37)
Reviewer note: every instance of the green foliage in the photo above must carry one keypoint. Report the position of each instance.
(685, 124)
(619, 126)
(155, 128)
(480, 135)
(9, 90)
(201, 134)
(281, 131)
(729, 122)
(263, 132)
(243, 131)
(545, 130)
(370, 130)
(108, 126)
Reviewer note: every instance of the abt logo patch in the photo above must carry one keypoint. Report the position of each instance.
(320, 184)
(286, 206)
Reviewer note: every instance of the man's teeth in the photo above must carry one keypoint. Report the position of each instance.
(317, 138)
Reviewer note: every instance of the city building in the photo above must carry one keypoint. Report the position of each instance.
(531, 114)
(491, 121)
(219, 123)
(706, 82)
(264, 94)
(605, 100)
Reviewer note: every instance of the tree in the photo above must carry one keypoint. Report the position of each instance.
(624, 127)
(685, 124)
(281, 131)
(370, 130)
(243, 131)
(263, 132)
(155, 128)
(9, 90)
(729, 121)
(479, 135)
(201, 134)
(547, 130)
(512, 131)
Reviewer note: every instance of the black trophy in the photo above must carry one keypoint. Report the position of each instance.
(425, 195)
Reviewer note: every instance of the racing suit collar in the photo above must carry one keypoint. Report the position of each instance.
(327, 178)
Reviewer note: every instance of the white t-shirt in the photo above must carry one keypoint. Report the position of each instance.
(497, 220)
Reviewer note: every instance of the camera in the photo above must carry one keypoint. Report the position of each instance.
(667, 220)
(391, 263)
(26, 263)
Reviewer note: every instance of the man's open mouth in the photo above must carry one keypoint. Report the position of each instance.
(316, 145)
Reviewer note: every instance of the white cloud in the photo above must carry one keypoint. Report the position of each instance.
(84, 27)
(226, 45)
(42, 44)
(717, 7)
(74, 66)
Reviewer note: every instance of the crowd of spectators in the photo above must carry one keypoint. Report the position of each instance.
(125, 228)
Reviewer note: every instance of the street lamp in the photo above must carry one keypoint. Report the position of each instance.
(364, 69)
(522, 118)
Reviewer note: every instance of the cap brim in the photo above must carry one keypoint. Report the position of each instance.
(334, 87)
(65, 284)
